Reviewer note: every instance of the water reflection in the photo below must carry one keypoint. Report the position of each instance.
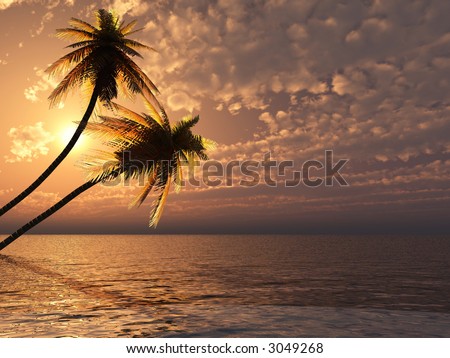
(131, 286)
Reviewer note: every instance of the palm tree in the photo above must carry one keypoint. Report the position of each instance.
(101, 62)
(142, 146)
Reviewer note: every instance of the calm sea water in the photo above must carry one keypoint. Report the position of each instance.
(225, 286)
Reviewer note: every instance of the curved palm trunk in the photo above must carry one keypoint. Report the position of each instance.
(11, 238)
(59, 159)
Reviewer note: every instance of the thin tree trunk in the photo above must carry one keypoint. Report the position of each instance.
(11, 238)
(59, 159)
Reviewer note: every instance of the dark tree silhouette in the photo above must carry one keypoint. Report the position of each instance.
(143, 146)
(102, 62)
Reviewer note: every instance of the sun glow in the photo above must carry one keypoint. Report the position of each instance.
(66, 134)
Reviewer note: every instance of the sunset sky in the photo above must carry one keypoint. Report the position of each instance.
(367, 79)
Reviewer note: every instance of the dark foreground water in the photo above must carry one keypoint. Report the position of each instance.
(225, 286)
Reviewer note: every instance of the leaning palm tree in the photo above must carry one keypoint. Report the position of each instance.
(101, 62)
(141, 146)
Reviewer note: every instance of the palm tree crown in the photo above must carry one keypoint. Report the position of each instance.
(102, 62)
(101, 59)
(140, 146)
(146, 145)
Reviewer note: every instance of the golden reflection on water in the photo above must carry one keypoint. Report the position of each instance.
(137, 286)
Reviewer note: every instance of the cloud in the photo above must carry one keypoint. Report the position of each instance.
(5, 191)
(4, 4)
(41, 200)
(28, 142)
(368, 79)
(43, 84)
(365, 79)
(240, 54)
(48, 16)
(131, 7)
(49, 4)
(182, 100)
(224, 51)
(270, 121)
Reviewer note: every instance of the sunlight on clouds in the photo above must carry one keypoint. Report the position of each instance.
(28, 143)
(49, 4)
(268, 119)
(368, 79)
(132, 7)
(182, 100)
(42, 200)
(5, 191)
(46, 18)
(239, 58)
(43, 84)
(36, 202)
(31, 93)
(234, 108)
(99, 200)
(4, 4)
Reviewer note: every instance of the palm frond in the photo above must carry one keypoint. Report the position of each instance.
(154, 114)
(125, 30)
(124, 91)
(156, 213)
(129, 51)
(82, 25)
(209, 144)
(145, 146)
(140, 77)
(116, 132)
(137, 45)
(75, 77)
(85, 90)
(144, 193)
(125, 112)
(164, 117)
(109, 52)
(190, 158)
(178, 175)
(86, 43)
(185, 124)
(136, 80)
(106, 19)
(64, 63)
(137, 30)
(100, 165)
(74, 34)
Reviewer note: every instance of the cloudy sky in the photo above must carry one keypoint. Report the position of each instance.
(366, 79)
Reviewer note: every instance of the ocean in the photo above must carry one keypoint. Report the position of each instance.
(225, 286)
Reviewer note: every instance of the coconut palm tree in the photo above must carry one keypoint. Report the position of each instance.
(141, 146)
(101, 62)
